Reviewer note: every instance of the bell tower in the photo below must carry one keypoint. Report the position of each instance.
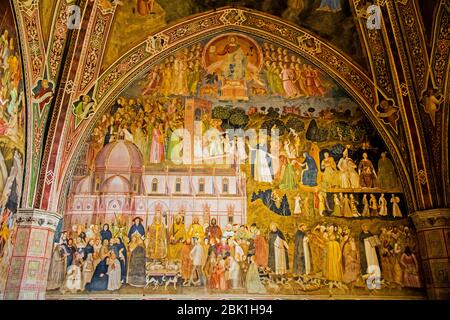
(195, 110)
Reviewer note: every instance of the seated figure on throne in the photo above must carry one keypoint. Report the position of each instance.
(156, 239)
(234, 68)
(177, 236)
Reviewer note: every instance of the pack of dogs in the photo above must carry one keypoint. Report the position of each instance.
(164, 281)
(277, 283)
(307, 283)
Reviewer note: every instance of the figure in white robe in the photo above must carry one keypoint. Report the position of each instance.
(349, 176)
(278, 251)
(215, 146)
(73, 281)
(88, 270)
(262, 172)
(382, 206)
(226, 146)
(298, 205)
(307, 255)
(242, 154)
(234, 273)
(368, 253)
(175, 149)
(396, 212)
(127, 135)
(198, 148)
(114, 274)
(280, 256)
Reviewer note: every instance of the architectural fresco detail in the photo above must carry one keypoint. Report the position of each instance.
(12, 140)
(234, 166)
(223, 148)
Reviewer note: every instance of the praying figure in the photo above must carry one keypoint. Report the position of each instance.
(136, 229)
(309, 173)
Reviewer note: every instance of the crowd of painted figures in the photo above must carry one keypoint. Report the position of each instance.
(286, 75)
(237, 257)
(11, 143)
(289, 76)
(345, 205)
(151, 125)
(345, 174)
(179, 74)
(10, 94)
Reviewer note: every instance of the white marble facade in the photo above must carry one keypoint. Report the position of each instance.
(121, 185)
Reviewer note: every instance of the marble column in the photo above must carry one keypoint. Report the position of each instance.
(433, 231)
(31, 256)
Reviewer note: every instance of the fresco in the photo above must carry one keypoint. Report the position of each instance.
(234, 166)
(12, 140)
(330, 19)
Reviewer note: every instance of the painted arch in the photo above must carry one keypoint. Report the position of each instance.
(340, 203)
(140, 59)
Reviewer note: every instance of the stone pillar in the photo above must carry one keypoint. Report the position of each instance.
(433, 232)
(31, 256)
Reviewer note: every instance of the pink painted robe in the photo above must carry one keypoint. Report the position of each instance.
(157, 147)
(288, 76)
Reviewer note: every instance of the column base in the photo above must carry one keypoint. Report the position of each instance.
(433, 232)
(32, 251)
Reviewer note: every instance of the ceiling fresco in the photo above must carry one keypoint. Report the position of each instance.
(331, 20)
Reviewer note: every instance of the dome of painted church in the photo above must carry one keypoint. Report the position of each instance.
(84, 186)
(119, 156)
(116, 184)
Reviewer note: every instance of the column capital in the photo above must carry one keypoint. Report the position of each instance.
(37, 218)
(431, 219)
